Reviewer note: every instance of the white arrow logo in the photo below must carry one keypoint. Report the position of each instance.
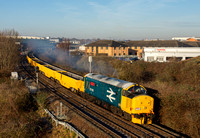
(111, 94)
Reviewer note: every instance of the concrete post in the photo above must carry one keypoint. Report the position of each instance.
(60, 109)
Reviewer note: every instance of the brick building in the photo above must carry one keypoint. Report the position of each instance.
(108, 48)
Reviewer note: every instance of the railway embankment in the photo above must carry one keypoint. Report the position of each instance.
(174, 85)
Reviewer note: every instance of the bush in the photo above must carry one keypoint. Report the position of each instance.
(179, 111)
(41, 98)
(170, 72)
(27, 103)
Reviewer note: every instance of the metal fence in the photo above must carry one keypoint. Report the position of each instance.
(65, 124)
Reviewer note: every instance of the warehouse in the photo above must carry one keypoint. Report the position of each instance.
(164, 54)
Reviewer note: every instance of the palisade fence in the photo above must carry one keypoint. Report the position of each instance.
(65, 124)
(33, 89)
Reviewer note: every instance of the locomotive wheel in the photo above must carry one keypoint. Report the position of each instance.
(126, 116)
(51, 78)
(105, 105)
(98, 102)
(119, 112)
(113, 109)
(72, 89)
(83, 95)
(57, 81)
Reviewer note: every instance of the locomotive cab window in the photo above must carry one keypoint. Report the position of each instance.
(134, 91)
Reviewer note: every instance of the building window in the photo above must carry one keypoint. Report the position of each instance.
(119, 54)
(92, 49)
(102, 48)
(114, 54)
(135, 47)
(124, 53)
(150, 59)
(141, 47)
(160, 59)
(130, 47)
(119, 47)
(106, 48)
(114, 48)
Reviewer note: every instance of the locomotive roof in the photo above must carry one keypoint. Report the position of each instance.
(109, 80)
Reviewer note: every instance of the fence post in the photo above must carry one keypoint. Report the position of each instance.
(60, 109)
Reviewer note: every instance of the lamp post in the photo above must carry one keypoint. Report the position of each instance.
(90, 60)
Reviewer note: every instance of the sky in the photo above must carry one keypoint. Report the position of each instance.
(104, 19)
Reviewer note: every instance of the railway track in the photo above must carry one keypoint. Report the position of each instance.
(109, 123)
(67, 100)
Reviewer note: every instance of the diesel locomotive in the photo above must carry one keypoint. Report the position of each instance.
(126, 99)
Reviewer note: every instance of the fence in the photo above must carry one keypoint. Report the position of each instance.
(65, 124)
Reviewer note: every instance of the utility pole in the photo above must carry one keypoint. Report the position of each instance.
(90, 60)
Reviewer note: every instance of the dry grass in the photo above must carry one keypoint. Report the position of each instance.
(12, 121)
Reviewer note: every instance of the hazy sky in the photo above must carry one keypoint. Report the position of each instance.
(105, 19)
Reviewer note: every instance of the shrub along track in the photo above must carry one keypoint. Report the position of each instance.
(106, 121)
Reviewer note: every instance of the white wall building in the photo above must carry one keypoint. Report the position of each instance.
(184, 38)
(163, 54)
(30, 37)
(82, 47)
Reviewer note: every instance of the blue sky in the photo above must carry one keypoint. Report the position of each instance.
(105, 19)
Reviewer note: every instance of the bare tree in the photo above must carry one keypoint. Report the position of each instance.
(9, 54)
(64, 45)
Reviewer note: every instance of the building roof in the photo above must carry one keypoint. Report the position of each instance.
(159, 43)
(108, 43)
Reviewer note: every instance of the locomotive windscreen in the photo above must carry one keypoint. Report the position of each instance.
(134, 91)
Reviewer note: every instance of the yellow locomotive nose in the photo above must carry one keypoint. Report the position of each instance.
(142, 112)
(142, 104)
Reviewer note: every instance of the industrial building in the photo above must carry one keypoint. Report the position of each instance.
(164, 54)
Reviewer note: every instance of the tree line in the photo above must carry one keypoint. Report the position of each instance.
(9, 53)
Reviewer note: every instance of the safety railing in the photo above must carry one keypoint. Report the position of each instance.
(65, 124)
